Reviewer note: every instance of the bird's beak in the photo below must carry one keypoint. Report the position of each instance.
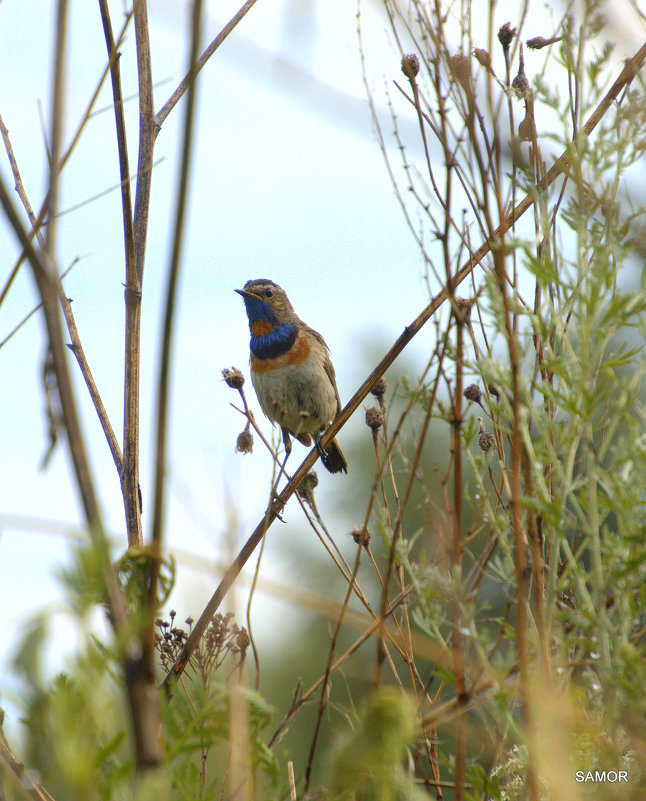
(246, 294)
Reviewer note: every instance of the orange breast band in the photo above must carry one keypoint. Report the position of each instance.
(260, 327)
(299, 351)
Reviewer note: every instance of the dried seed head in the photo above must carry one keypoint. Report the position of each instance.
(244, 443)
(307, 486)
(473, 393)
(486, 439)
(526, 127)
(233, 377)
(540, 41)
(464, 308)
(484, 59)
(521, 86)
(360, 535)
(379, 388)
(505, 35)
(374, 418)
(410, 66)
(242, 640)
(460, 67)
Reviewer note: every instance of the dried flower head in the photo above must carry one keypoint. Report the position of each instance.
(473, 393)
(307, 486)
(379, 388)
(486, 439)
(360, 535)
(242, 640)
(463, 306)
(505, 36)
(374, 418)
(233, 377)
(410, 66)
(460, 67)
(540, 41)
(244, 443)
(521, 86)
(484, 59)
(526, 130)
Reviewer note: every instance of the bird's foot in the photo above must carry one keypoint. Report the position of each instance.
(321, 450)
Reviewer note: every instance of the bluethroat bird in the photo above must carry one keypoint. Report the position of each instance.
(291, 370)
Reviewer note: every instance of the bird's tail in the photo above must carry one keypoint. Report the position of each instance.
(333, 458)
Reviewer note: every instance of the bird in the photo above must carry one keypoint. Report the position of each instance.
(291, 371)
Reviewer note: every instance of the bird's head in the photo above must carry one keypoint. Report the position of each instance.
(266, 302)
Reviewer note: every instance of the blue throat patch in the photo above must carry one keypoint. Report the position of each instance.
(258, 310)
(274, 342)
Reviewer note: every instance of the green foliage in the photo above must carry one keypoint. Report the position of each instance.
(196, 722)
(367, 763)
(555, 342)
(74, 724)
(133, 572)
(77, 725)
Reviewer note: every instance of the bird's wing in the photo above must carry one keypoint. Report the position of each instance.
(328, 366)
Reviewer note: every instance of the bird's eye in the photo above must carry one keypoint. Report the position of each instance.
(269, 292)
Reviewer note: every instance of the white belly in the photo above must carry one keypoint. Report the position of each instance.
(303, 403)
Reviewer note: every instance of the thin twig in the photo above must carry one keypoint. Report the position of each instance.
(134, 282)
(47, 282)
(305, 697)
(76, 346)
(457, 640)
(46, 278)
(328, 669)
(11, 766)
(122, 144)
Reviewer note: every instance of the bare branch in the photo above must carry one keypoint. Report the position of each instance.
(122, 144)
(76, 346)
(134, 281)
